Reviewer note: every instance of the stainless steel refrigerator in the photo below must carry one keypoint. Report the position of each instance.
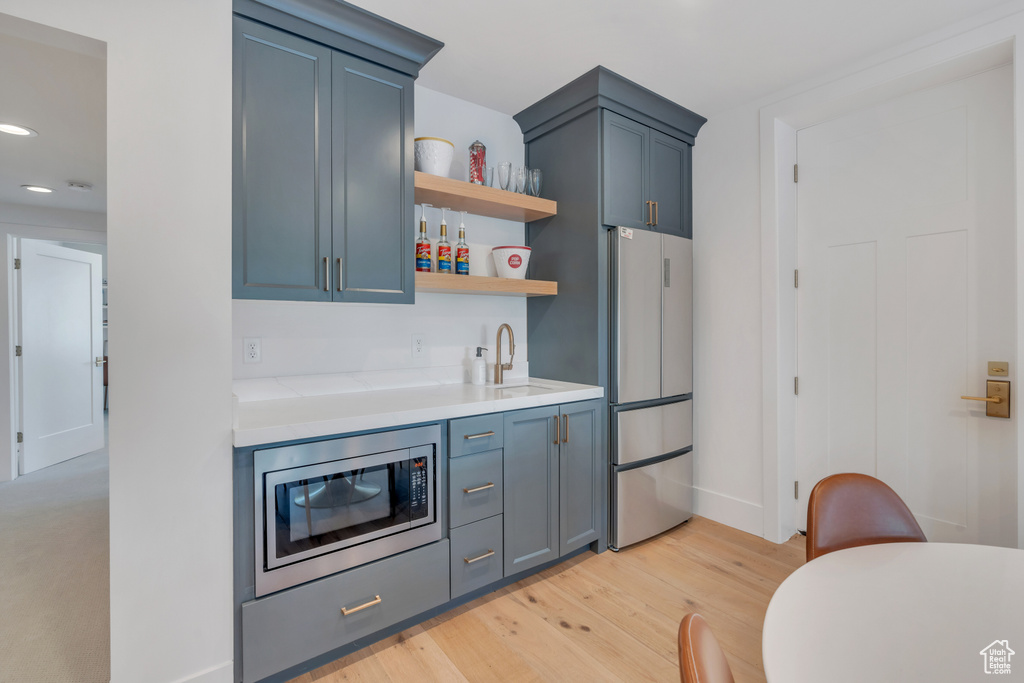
(651, 397)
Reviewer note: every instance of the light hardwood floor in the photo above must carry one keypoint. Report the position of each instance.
(608, 617)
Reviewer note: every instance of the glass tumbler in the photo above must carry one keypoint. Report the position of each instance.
(488, 176)
(534, 181)
(504, 174)
(521, 176)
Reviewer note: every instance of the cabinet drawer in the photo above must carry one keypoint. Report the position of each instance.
(289, 627)
(475, 434)
(476, 555)
(468, 499)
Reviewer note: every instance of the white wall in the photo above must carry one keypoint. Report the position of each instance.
(312, 338)
(727, 321)
(742, 370)
(169, 233)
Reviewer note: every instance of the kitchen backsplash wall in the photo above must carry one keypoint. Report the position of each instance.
(311, 338)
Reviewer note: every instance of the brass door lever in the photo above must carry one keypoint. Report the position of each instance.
(997, 402)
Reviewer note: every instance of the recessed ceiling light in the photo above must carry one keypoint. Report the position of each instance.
(38, 188)
(17, 130)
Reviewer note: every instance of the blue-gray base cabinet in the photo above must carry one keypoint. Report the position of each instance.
(298, 624)
(518, 500)
(554, 478)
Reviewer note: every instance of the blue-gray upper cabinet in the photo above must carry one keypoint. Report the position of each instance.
(372, 182)
(323, 173)
(645, 177)
(281, 229)
(554, 482)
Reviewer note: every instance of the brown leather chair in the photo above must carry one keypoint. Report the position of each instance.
(849, 510)
(701, 660)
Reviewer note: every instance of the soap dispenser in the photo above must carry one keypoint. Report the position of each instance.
(479, 374)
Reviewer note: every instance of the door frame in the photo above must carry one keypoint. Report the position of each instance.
(930, 61)
(9, 232)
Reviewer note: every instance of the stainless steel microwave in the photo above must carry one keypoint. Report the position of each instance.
(330, 505)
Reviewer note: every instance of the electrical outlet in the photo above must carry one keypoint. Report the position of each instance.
(417, 346)
(252, 350)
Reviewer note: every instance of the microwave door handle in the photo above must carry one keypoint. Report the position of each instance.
(307, 507)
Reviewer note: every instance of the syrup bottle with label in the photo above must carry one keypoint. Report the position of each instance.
(444, 247)
(462, 249)
(423, 246)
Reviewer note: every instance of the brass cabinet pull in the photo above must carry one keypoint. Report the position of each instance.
(339, 273)
(565, 429)
(327, 276)
(488, 485)
(655, 213)
(995, 399)
(650, 212)
(478, 436)
(479, 557)
(345, 611)
(557, 438)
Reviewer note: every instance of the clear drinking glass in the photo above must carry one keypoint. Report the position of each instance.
(488, 175)
(521, 176)
(504, 174)
(534, 181)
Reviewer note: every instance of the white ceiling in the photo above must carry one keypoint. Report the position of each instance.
(55, 83)
(707, 55)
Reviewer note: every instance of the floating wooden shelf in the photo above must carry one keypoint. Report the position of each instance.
(476, 284)
(481, 200)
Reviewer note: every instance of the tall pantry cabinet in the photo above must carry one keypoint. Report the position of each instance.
(615, 154)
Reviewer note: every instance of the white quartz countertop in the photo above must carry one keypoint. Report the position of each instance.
(270, 420)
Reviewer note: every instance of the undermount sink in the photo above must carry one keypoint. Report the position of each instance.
(509, 390)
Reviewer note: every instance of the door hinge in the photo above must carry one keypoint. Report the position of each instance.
(21, 438)
(17, 350)
(796, 386)
(17, 264)
(796, 279)
(796, 173)
(796, 490)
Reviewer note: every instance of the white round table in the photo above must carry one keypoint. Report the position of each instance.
(899, 612)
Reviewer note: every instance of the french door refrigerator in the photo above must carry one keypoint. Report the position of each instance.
(651, 384)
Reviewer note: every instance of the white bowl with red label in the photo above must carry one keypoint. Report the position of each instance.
(511, 261)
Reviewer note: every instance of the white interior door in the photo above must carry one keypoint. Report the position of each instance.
(60, 307)
(907, 278)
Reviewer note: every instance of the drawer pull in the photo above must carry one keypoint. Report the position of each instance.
(478, 436)
(477, 559)
(488, 485)
(346, 611)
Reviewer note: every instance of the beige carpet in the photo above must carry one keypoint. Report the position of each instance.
(54, 574)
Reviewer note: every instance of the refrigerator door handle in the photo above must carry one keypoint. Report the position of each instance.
(668, 270)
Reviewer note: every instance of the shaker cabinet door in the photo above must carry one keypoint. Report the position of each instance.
(670, 163)
(580, 475)
(281, 228)
(531, 488)
(373, 183)
(624, 172)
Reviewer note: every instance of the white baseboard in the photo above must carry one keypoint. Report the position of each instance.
(730, 511)
(221, 673)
